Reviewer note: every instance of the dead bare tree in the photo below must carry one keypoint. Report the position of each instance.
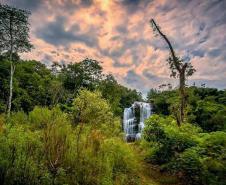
(179, 69)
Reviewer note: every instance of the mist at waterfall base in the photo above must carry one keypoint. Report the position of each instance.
(133, 120)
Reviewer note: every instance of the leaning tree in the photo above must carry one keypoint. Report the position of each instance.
(14, 38)
(179, 69)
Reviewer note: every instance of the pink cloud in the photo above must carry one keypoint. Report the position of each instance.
(118, 34)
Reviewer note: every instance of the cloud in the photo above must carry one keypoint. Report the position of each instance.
(215, 53)
(149, 75)
(118, 33)
(87, 3)
(25, 4)
(47, 59)
(145, 80)
(134, 80)
(122, 29)
(132, 6)
(56, 34)
(208, 83)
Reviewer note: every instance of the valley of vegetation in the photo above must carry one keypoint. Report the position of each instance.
(62, 124)
(195, 151)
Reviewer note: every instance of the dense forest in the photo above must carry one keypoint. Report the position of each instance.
(196, 150)
(62, 123)
(35, 84)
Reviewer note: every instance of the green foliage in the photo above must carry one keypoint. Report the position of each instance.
(85, 74)
(106, 161)
(20, 156)
(118, 155)
(41, 117)
(112, 92)
(206, 109)
(89, 106)
(46, 146)
(167, 138)
(4, 84)
(64, 128)
(210, 116)
(163, 102)
(36, 85)
(14, 38)
(205, 106)
(33, 85)
(188, 166)
(117, 95)
(14, 30)
(204, 163)
(196, 157)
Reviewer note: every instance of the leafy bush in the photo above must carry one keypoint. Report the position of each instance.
(205, 106)
(198, 158)
(89, 106)
(167, 138)
(20, 156)
(43, 147)
(210, 116)
(204, 163)
(106, 161)
(122, 162)
(92, 110)
(98, 150)
(188, 166)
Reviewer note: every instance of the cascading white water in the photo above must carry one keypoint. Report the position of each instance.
(132, 125)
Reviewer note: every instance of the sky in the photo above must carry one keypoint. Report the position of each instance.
(118, 34)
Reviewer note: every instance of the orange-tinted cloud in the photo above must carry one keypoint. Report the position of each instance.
(118, 33)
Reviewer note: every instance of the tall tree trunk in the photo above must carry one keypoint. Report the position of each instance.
(12, 69)
(182, 91)
(182, 97)
(10, 88)
(181, 69)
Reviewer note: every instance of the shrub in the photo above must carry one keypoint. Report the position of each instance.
(198, 158)
(18, 118)
(210, 116)
(98, 150)
(90, 108)
(188, 166)
(40, 117)
(205, 163)
(20, 156)
(214, 158)
(36, 149)
(168, 139)
(43, 147)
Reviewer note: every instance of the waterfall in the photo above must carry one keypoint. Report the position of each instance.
(133, 119)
